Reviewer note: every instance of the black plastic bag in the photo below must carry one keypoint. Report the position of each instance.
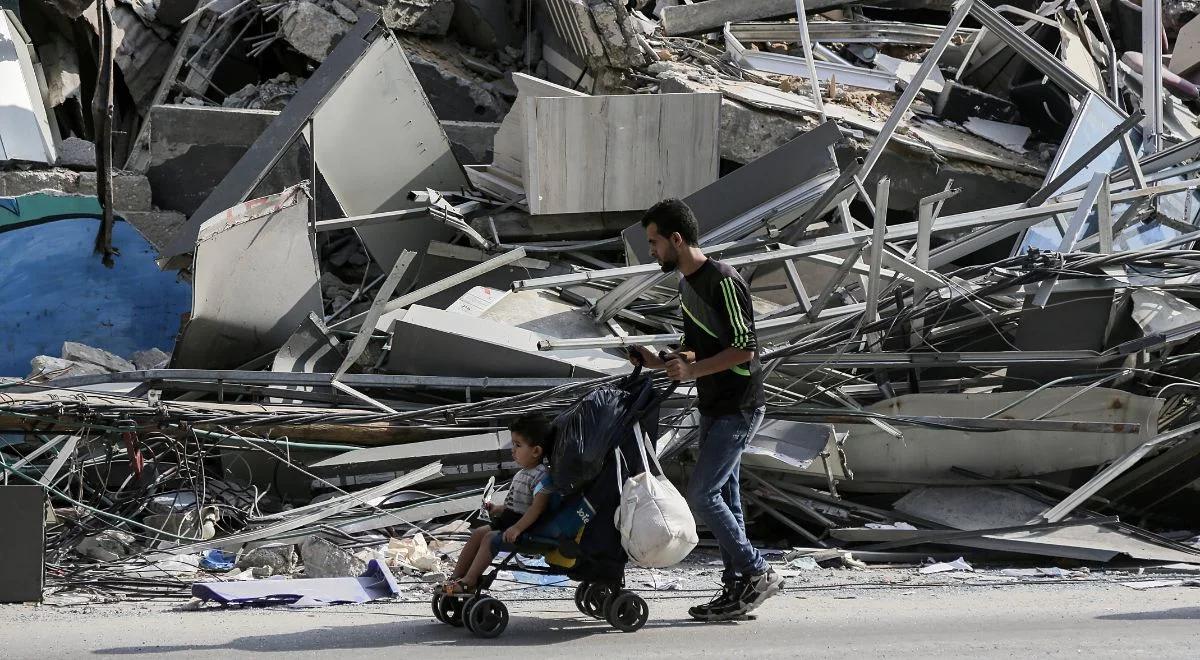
(584, 436)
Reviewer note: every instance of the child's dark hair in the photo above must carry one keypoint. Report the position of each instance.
(536, 429)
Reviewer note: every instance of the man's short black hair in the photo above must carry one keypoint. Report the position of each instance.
(672, 215)
(536, 429)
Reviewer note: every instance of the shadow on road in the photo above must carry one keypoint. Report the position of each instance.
(525, 631)
(1177, 613)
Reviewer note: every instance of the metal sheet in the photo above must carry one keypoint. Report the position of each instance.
(377, 139)
(23, 531)
(310, 349)
(1094, 119)
(435, 342)
(255, 282)
(752, 185)
(452, 451)
(788, 65)
(272, 144)
(925, 453)
(787, 446)
(25, 133)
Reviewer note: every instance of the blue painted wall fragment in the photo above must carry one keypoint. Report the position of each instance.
(54, 289)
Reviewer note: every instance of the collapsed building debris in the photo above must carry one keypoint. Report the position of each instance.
(402, 223)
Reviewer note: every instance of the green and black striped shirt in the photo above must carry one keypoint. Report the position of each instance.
(717, 315)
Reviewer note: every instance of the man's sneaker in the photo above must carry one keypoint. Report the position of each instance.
(719, 606)
(758, 587)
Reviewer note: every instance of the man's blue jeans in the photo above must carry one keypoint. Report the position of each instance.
(715, 494)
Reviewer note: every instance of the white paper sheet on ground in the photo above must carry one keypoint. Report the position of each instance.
(1009, 136)
(959, 564)
(1142, 585)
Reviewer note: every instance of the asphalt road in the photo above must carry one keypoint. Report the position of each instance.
(1076, 620)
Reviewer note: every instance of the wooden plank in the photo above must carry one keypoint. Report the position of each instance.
(618, 153)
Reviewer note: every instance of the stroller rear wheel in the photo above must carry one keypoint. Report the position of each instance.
(597, 599)
(628, 612)
(581, 596)
(488, 617)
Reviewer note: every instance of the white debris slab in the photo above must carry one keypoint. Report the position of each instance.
(1009, 136)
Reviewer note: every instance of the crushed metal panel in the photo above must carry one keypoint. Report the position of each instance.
(255, 282)
(25, 132)
(933, 453)
(788, 65)
(787, 446)
(310, 349)
(427, 341)
(1159, 312)
(1094, 119)
(270, 147)
(618, 153)
(544, 313)
(752, 185)
(377, 139)
(506, 174)
(970, 507)
(493, 447)
(1069, 321)
(1084, 542)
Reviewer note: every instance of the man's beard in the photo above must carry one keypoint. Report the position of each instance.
(669, 263)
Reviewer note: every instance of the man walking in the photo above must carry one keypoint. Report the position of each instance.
(720, 352)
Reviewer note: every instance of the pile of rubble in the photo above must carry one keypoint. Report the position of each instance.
(968, 233)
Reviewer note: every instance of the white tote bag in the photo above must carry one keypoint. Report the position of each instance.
(656, 525)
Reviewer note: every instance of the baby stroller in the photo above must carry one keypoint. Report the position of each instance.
(577, 536)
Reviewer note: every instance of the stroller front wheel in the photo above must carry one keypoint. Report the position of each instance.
(581, 596)
(488, 617)
(628, 612)
(448, 609)
(597, 599)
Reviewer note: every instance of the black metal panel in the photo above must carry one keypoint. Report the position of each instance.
(22, 536)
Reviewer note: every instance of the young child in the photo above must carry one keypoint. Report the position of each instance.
(532, 439)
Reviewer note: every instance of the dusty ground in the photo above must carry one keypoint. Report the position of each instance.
(825, 613)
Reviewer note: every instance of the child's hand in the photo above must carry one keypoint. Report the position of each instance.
(511, 534)
(487, 506)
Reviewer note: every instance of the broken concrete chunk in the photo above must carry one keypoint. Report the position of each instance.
(278, 559)
(471, 140)
(91, 355)
(310, 29)
(151, 358)
(109, 545)
(430, 17)
(343, 8)
(52, 367)
(323, 559)
(77, 154)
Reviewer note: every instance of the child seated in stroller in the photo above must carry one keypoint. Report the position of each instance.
(527, 499)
